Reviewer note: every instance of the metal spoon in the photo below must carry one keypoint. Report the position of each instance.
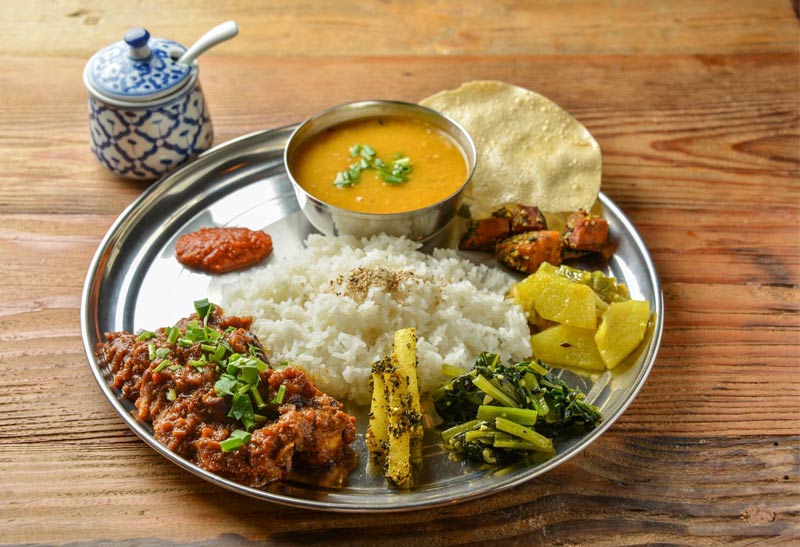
(216, 35)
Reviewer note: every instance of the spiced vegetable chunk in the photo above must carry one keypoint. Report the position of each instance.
(526, 251)
(523, 218)
(483, 235)
(586, 232)
(519, 236)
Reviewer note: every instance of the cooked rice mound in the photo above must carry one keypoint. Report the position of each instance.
(333, 310)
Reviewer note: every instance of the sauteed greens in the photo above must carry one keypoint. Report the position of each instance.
(498, 412)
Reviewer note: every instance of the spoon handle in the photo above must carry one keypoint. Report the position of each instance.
(220, 33)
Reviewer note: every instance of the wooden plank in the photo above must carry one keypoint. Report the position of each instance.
(621, 490)
(418, 27)
(684, 131)
(695, 105)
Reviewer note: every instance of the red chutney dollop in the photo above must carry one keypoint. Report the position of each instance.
(220, 250)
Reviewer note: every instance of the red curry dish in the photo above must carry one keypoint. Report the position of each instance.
(211, 397)
(220, 250)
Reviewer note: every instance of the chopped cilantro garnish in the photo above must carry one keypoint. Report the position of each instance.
(241, 407)
(395, 173)
(239, 373)
(225, 385)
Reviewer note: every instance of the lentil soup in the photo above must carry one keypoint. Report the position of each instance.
(380, 165)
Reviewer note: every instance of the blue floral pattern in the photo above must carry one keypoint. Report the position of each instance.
(145, 143)
(113, 72)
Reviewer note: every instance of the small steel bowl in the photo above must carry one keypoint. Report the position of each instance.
(417, 225)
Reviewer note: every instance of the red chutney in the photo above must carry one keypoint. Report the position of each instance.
(220, 250)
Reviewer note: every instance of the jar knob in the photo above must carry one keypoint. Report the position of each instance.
(137, 39)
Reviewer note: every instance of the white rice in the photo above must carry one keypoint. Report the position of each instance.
(457, 307)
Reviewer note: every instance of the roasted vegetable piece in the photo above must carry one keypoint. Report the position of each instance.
(398, 466)
(377, 437)
(483, 235)
(405, 415)
(523, 218)
(527, 251)
(394, 436)
(496, 412)
(586, 232)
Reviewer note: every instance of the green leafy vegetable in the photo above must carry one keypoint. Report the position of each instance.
(496, 412)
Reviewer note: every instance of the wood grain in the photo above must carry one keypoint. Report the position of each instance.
(391, 27)
(696, 106)
(610, 495)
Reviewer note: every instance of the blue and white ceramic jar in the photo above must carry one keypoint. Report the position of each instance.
(147, 113)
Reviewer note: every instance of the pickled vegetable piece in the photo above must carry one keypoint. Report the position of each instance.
(563, 301)
(606, 287)
(621, 330)
(563, 345)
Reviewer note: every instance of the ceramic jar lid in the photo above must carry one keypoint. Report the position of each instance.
(137, 69)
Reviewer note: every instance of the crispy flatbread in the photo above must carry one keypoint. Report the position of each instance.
(530, 150)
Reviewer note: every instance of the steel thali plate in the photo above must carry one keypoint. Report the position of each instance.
(135, 282)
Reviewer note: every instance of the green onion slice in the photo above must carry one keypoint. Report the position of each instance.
(395, 173)
(278, 400)
(162, 365)
(203, 308)
(161, 353)
(145, 335)
(237, 439)
(172, 334)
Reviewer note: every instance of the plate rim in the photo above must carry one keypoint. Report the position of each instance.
(220, 151)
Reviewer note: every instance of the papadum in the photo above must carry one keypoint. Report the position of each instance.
(530, 150)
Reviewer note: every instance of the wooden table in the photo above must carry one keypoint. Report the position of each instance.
(695, 106)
